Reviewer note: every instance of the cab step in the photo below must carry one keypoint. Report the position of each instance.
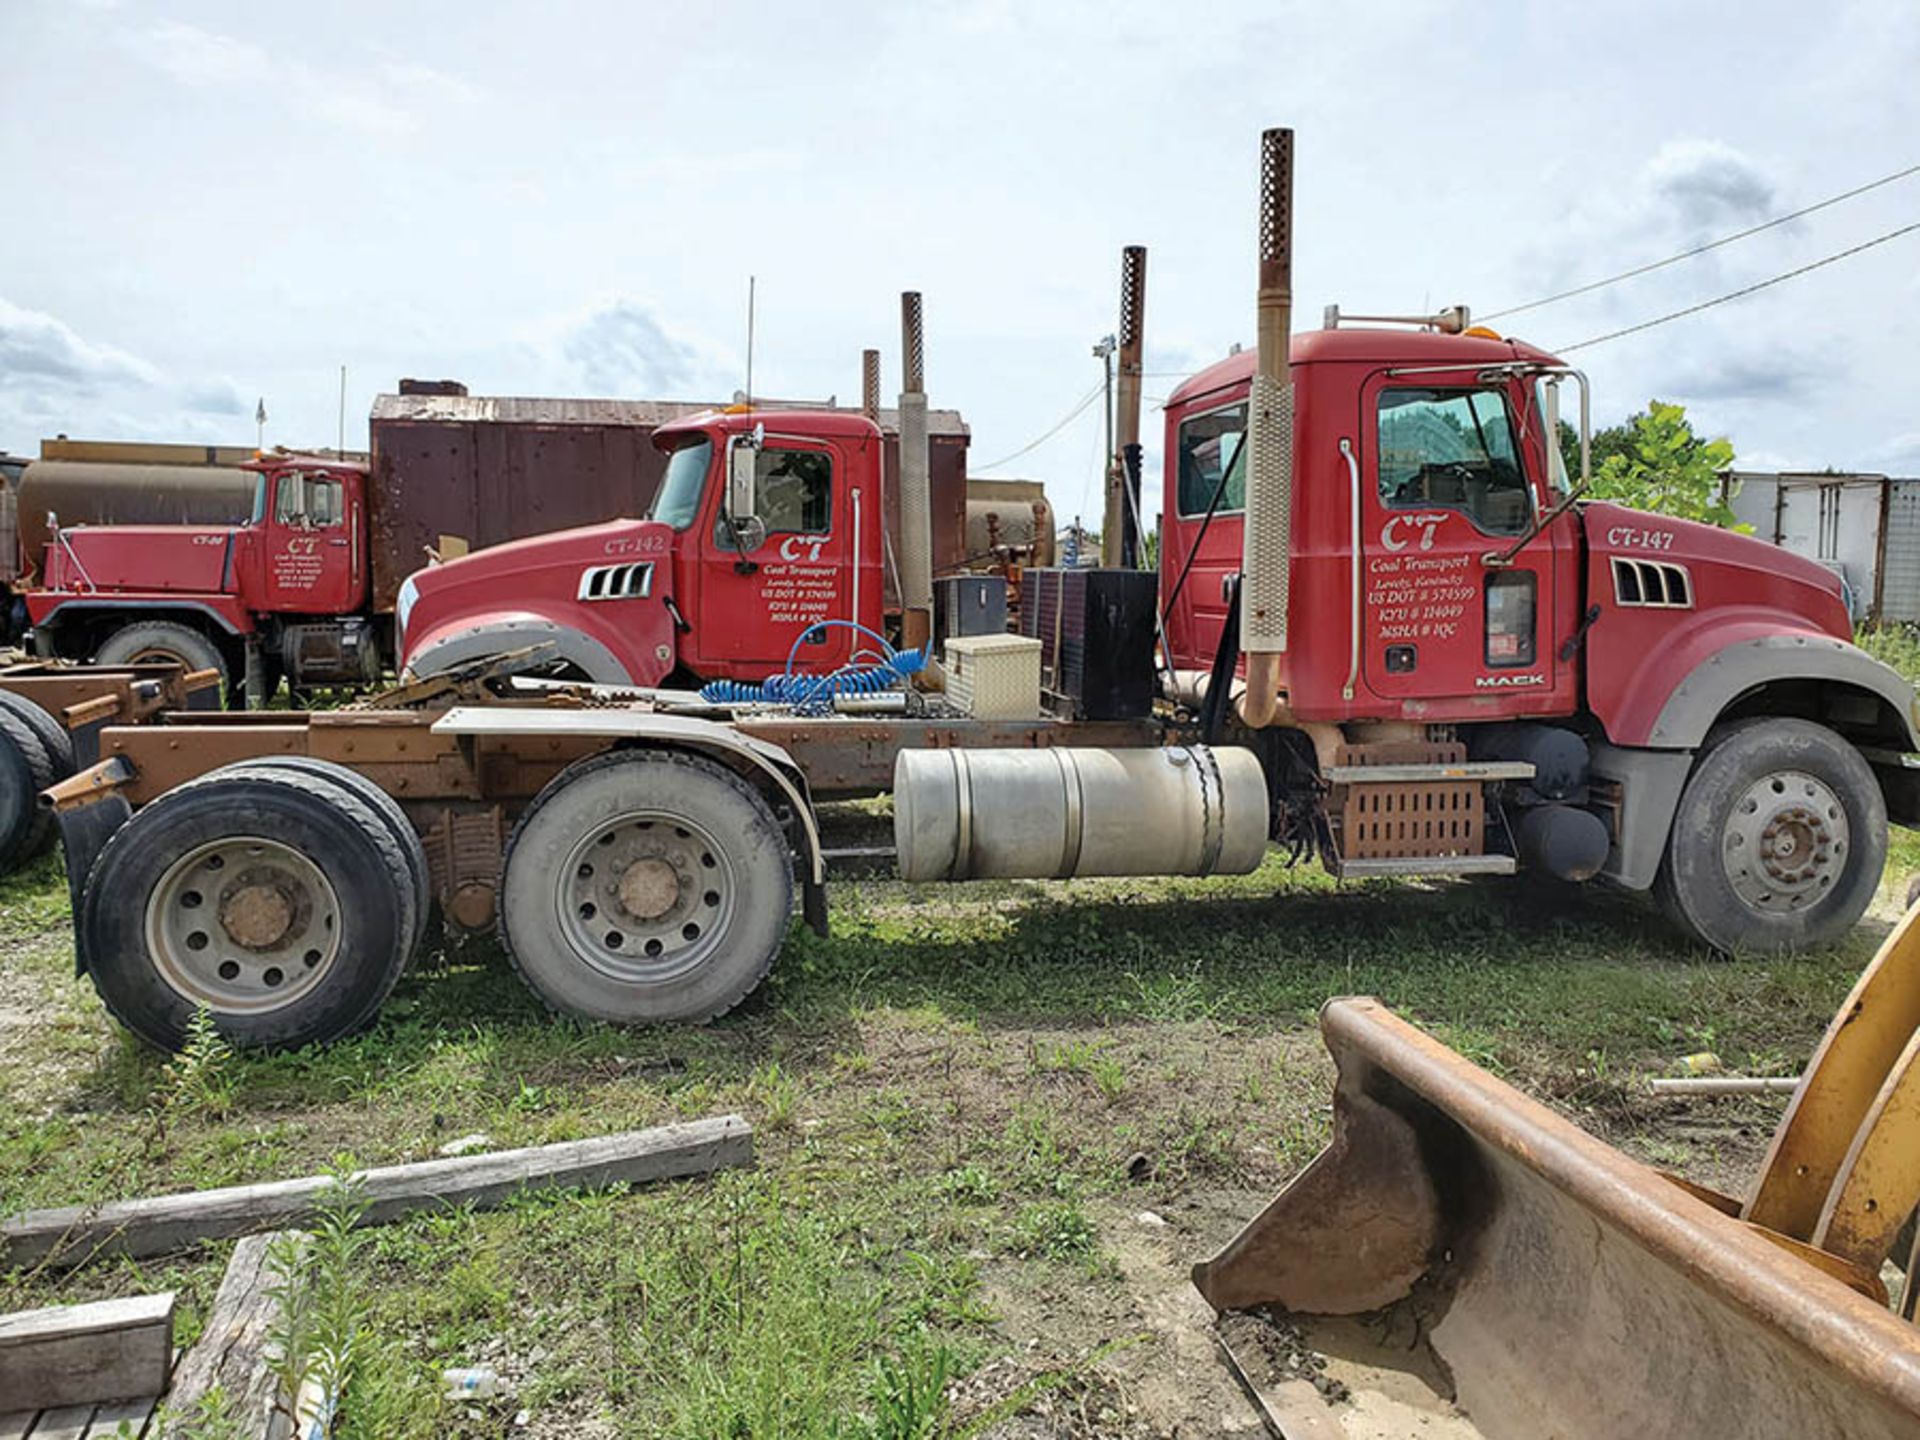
(1405, 866)
(1482, 770)
(1413, 808)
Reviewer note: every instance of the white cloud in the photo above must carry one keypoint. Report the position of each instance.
(625, 349)
(1707, 185)
(38, 349)
(389, 98)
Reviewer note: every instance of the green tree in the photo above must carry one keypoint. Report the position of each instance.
(1654, 461)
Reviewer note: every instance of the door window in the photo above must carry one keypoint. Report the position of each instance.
(1211, 444)
(796, 491)
(1453, 449)
(308, 502)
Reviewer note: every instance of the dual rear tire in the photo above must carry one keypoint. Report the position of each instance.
(35, 752)
(278, 895)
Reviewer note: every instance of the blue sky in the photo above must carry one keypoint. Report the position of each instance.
(208, 203)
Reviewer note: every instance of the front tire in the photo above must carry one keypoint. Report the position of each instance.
(149, 641)
(1778, 841)
(644, 887)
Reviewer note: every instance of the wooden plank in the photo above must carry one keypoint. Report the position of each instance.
(84, 1354)
(67, 1423)
(157, 1224)
(136, 1415)
(232, 1350)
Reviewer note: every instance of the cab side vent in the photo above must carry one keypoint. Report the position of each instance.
(1657, 584)
(617, 582)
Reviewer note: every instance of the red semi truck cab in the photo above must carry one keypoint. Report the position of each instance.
(690, 592)
(290, 581)
(1437, 576)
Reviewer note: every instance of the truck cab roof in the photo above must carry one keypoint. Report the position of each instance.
(1368, 345)
(822, 423)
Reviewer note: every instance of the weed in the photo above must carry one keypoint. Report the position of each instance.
(970, 1185)
(326, 1354)
(778, 1094)
(200, 1080)
(1059, 1230)
(909, 1392)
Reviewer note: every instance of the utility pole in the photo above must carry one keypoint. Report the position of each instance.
(1103, 351)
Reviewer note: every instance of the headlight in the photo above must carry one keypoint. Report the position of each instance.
(402, 608)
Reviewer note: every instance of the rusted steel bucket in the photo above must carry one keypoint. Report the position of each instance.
(1570, 1291)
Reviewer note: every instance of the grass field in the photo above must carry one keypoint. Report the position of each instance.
(995, 1125)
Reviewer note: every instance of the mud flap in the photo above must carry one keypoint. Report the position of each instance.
(88, 807)
(84, 832)
(1567, 1289)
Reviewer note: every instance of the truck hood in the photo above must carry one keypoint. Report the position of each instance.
(147, 558)
(1724, 568)
(537, 573)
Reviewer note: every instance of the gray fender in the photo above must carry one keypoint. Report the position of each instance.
(592, 658)
(1650, 783)
(1724, 676)
(683, 732)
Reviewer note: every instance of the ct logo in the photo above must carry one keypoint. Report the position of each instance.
(1398, 533)
(793, 545)
(303, 545)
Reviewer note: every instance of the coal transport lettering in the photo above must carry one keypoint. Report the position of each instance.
(799, 593)
(1413, 596)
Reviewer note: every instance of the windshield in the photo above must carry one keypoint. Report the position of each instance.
(679, 497)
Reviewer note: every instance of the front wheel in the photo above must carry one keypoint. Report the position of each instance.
(1778, 841)
(643, 887)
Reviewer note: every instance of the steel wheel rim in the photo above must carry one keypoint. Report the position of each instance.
(645, 897)
(243, 925)
(1785, 842)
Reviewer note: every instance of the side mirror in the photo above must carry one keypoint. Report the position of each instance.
(743, 459)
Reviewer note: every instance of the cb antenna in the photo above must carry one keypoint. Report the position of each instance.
(750, 343)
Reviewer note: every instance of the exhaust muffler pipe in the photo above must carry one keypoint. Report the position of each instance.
(1267, 544)
(870, 385)
(1120, 537)
(916, 501)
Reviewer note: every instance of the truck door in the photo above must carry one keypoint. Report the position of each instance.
(1208, 474)
(766, 578)
(1444, 483)
(312, 551)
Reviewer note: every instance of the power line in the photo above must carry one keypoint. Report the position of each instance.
(1064, 421)
(1703, 249)
(1743, 290)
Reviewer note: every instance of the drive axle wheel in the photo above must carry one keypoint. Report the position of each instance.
(644, 886)
(1778, 841)
(243, 924)
(278, 902)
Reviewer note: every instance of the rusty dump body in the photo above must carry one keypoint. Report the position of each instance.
(1570, 1291)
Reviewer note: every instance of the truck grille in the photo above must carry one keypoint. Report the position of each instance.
(632, 581)
(1658, 584)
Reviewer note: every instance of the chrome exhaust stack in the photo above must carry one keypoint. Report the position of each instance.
(1267, 544)
(916, 503)
(1122, 526)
